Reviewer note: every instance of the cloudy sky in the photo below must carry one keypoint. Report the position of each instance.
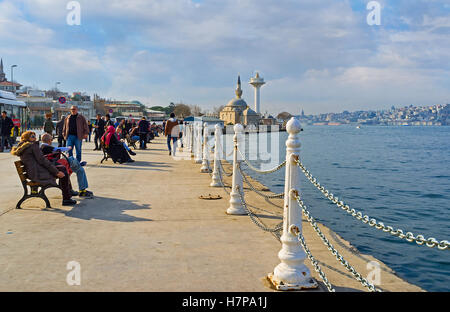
(316, 55)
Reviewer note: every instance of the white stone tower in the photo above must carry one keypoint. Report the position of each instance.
(257, 83)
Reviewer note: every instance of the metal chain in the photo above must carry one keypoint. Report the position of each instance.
(280, 195)
(315, 263)
(261, 171)
(341, 259)
(419, 239)
(209, 168)
(222, 183)
(228, 174)
(255, 218)
(223, 152)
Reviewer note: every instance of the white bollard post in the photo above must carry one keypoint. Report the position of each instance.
(186, 138)
(236, 207)
(205, 168)
(191, 139)
(198, 144)
(216, 182)
(182, 141)
(292, 273)
(189, 131)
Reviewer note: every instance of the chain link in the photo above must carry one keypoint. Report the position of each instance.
(222, 183)
(255, 218)
(223, 152)
(261, 171)
(280, 195)
(419, 239)
(327, 243)
(315, 263)
(228, 174)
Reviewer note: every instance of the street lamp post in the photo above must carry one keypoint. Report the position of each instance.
(12, 79)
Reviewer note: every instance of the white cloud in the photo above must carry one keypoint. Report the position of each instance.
(319, 54)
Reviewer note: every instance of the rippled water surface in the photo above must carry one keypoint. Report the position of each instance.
(397, 175)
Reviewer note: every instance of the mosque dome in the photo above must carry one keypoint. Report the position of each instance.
(249, 112)
(238, 103)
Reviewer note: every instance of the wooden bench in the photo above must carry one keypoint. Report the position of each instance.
(31, 189)
(105, 152)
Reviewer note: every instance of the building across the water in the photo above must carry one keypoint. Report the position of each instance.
(6, 85)
(237, 111)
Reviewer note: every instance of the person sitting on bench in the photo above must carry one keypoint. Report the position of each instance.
(39, 169)
(114, 147)
(74, 164)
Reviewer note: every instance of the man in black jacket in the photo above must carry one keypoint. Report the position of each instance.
(59, 132)
(143, 127)
(6, 124)
(99, 130)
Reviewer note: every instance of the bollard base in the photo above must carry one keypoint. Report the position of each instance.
(236, 212)
(279, 285)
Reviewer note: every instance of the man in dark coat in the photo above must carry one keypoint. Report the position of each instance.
(6, 124)
(99, 130)
(108, 121)
(59, 132)
(143, 127)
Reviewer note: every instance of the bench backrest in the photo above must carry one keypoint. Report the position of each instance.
(21, 170)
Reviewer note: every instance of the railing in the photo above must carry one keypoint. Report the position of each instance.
(291, 273)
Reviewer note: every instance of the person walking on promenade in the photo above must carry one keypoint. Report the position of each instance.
(40, 169)
(172, 131)
(99, 130)
(143, 126)
(74, 131)
(59, 132)
(90, 131)
(6, 124)
(48, 124)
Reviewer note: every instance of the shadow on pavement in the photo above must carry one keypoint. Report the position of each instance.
(137, 165)
(102, 208)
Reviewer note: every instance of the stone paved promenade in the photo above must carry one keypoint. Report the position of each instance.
(147, 230)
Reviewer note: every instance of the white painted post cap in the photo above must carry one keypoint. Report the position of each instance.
(293, 126)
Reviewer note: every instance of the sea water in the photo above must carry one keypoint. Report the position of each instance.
(398, 175)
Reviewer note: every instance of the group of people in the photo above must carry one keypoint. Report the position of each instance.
(46, 163)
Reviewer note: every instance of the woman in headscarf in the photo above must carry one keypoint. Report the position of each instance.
(40, 169)
(114, 147)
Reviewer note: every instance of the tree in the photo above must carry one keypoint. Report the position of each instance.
(217, 110)
(284, 116)
(182, 110)
(196, 110)
(76, 97)
(157, 108)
